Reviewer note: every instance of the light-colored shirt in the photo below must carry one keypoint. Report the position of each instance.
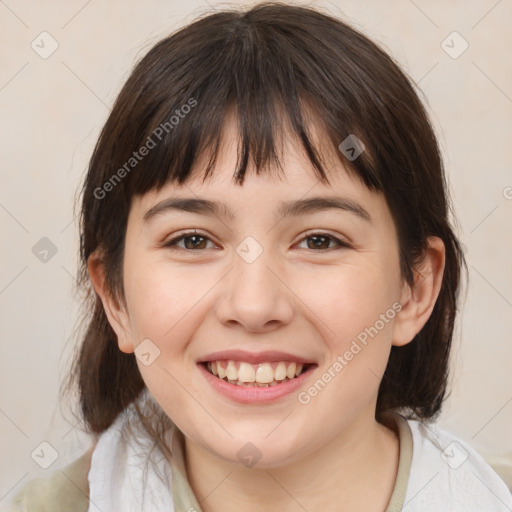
(437, 472)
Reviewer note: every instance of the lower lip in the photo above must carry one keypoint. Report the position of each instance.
(254, 394)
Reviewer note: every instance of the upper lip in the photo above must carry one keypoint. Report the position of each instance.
(268, 356)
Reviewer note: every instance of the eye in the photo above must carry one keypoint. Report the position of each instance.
(192, 241)
(321, 241)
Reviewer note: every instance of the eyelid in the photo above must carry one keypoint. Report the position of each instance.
(171, 243)
(343, 241)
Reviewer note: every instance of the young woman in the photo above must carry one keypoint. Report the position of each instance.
(265, 225)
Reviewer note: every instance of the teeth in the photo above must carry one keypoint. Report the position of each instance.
(246, 373)
(254, 384)
(261, 375)
(290, 371)
(280, 373)
(264, 373)
(231, 371)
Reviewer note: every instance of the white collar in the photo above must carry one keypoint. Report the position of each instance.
(128, 470)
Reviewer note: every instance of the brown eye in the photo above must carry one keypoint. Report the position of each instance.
(191, 242)
(196, 242)
(319, 241)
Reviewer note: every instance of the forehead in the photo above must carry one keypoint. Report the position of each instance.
(295, 179)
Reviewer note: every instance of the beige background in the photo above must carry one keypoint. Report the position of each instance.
(53, 109)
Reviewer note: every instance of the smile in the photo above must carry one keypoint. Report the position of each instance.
(266, 374)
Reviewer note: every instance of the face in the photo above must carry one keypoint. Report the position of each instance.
(318, 287)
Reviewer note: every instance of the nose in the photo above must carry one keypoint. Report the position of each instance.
(254, 296)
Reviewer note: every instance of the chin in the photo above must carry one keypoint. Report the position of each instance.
(253, 451)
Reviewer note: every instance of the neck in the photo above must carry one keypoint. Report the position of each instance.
(337, 477)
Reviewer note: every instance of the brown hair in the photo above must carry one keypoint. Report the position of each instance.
(271, 63)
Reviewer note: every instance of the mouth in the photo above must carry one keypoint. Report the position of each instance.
(262, 375)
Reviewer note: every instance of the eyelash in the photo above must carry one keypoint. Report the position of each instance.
(171, 244)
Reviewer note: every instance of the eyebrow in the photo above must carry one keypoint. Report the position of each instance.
(287, 208)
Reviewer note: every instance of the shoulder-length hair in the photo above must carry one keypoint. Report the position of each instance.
(271, 64)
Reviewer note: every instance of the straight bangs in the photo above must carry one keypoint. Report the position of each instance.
(178, 105)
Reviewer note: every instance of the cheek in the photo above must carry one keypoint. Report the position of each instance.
(164, 305)
(161, 299)
(346, 301)
(357, 308)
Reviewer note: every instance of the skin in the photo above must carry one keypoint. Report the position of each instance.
(296, 298)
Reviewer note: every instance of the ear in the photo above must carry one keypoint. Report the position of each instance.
(418, 300)
(116, 313)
